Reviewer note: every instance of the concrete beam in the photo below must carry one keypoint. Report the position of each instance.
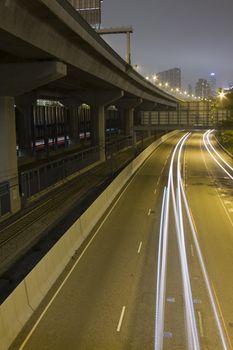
(101, 97)
(128, 102)
(147, 106)
(20, 78)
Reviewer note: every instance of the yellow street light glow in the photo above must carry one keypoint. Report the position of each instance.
(160, 84)
(166, 84)
(154, 77)
(221, 95)
(147, 78)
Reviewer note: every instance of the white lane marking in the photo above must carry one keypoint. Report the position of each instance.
(167, 334)
(121, 319)
(149, 212)
(200, 323)
(155, 191)
(158, 181)
(171, 300)
(192, 251)
(140, 247)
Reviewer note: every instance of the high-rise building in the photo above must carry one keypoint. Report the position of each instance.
(202, 88)
(90, 11)
(190, 89)
(171, 76)
(212, 84)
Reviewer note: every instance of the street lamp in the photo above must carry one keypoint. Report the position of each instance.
(222, 95)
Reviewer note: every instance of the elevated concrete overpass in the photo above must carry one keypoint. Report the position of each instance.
(45, 31)
(47, 50)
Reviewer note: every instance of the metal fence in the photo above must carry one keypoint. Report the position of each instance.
(4, 198)
(37, 179)
(118, 144)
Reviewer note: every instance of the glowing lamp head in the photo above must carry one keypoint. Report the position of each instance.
(222, 95)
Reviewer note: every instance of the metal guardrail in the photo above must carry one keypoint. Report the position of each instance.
(39, 178)
(4, 198)
(117, 145)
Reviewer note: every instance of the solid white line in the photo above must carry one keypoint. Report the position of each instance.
(200, 324)
(121, 319)
(149, 212)
(139, 248)
(155, 191)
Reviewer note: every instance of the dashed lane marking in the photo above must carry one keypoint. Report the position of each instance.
(192, 250)
(121, 319)
(200, 322)
(139, 248)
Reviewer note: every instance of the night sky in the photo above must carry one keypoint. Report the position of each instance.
(196, 36)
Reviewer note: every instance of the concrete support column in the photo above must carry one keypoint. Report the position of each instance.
(24, 122)
(129, 121)
(8, 157)
(98, 128)
(149, 123)
(73, 125)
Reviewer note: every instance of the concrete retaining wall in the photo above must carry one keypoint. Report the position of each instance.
(19, 306)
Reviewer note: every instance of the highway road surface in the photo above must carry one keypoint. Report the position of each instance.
(158, 272)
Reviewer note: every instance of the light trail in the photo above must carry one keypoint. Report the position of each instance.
(178, 196)
(216, 152)
(210, 147)
(203, 268)
(193, 340)
(158, 317)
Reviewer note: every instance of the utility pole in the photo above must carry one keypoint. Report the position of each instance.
(121, 30)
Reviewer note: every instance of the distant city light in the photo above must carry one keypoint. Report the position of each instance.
(221, 95)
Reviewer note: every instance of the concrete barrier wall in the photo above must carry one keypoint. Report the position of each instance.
(19, 306)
